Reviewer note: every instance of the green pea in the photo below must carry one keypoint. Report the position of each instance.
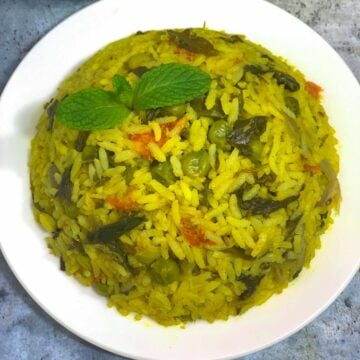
(102, 289)
(176, 110)
(218, 133)
(165, 271)
(163, 173)
(196, 164)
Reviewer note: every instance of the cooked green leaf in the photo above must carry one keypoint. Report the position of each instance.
(140, 71)
(65, 186)
(189, 41)
(246, 131)
(293, 105)
(287, 80)
(255, 69)
(266, 178)
(81, 140)
(51, 113)
(111, 232)
(291, 225)
(261, 206)
(62, 264)
(251, 283)
(163, 173)
(233, 39)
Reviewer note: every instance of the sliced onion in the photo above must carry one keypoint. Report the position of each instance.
(332, 189)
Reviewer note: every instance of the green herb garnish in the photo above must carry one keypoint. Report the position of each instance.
(122, 89)
(166, 85)
(91, 109)
(170, 84)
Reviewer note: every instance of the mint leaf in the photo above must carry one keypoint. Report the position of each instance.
(120, 84)
(91, 109)
(123, 89)
(169, 84)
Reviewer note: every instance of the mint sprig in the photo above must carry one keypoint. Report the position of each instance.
(166, 85)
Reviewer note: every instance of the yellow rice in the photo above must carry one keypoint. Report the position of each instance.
(246, 258)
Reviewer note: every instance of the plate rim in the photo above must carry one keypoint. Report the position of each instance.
(92, 341)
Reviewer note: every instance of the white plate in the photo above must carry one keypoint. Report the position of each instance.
(78, 308)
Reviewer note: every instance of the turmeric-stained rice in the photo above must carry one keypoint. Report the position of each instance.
(195, 211)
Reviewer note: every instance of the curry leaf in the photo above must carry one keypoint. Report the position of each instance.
(170, 84)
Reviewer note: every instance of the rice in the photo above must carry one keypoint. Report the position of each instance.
(204, 247)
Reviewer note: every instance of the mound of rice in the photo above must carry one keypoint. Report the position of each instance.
(208, 247)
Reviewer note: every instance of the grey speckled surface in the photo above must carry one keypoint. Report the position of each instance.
(26, 332)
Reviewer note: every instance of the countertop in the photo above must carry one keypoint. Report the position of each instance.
(27, 332)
